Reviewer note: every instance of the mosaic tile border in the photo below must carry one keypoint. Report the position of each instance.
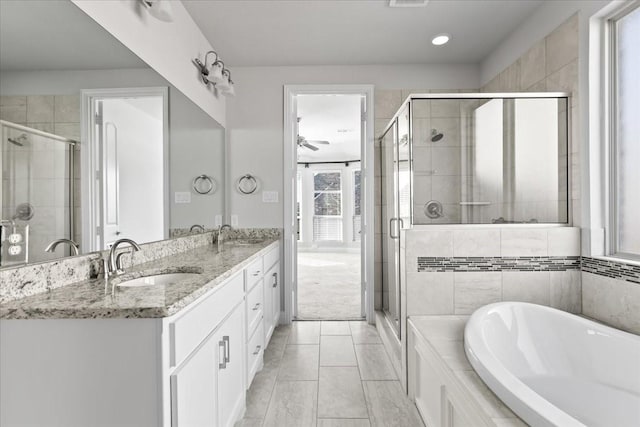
(612, 269)
(521, 263)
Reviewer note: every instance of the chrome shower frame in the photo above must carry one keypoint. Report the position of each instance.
(484, 95)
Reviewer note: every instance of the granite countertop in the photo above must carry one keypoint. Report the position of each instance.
(87, 299)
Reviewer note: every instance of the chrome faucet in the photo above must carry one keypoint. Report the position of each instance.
(73, 245)
(114, 264)
(197, 227)
(221, 228)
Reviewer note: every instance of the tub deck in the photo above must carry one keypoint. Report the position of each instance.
(440, 339)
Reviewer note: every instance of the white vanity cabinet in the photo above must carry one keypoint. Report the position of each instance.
(207, 389)
(190, 369)
(272, 292)
(206, 360)
(263, 308)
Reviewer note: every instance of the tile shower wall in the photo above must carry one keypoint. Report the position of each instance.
(60, 115)
(387, 103)
(456, 271)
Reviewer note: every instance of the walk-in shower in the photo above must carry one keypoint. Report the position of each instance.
(36, 195)
(469, 158)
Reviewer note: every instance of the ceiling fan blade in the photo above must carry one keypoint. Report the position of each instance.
(315, 141)
(309, 146)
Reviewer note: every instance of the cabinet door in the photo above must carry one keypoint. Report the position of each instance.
(275, 299)
(193, 389)
(230, 366)
(272, 301)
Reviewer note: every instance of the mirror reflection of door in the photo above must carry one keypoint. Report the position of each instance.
(128, 137)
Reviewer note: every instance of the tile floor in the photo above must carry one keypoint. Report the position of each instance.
(329, 286)
(328, 374)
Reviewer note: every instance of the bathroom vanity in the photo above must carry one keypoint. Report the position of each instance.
(179, 354)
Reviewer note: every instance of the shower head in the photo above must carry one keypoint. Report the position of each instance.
(20, 140)
(436, 136)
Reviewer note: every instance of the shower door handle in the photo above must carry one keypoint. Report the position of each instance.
(391, 228)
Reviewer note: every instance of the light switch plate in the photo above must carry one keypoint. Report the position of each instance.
(270, 197)
(234, 220)
(182, 197)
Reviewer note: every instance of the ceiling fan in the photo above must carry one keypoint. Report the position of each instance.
(304, 143)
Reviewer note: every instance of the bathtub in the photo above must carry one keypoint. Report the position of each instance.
(553, 368)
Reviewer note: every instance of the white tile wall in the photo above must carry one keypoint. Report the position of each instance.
(615, 302)
(526, 286)
(524, 242)
(463, 292)
(430, 293)
(476, 243)
(473, 290)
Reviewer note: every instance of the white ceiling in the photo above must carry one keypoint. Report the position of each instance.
(333, 118)
(360, 32)
(57, 35)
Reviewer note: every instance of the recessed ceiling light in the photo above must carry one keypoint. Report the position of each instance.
(440, 39)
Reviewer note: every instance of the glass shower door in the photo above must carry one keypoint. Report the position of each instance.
(390, 230)
(36, 194)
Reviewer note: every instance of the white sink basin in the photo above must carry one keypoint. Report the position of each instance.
(158, 279)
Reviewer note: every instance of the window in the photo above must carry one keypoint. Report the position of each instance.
(327, 206)
(625, 134)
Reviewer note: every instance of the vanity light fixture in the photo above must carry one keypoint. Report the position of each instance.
(440, 39)
(216, 74)
(159, 9)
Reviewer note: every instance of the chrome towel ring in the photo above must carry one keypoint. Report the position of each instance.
(204, 184)
(247, 184)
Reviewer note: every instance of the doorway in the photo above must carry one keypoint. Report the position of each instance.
(125, 161)
(328, 144)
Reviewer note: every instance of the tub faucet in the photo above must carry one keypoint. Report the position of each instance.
(73, 245)
(221, 228)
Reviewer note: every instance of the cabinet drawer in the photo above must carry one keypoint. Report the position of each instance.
(255, 349)
(253, 273)
(271, 257)
(255, 307)
(188, 330)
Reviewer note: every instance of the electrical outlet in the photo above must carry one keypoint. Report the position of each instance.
(15, 238)
(15, 250)
(234, 220)
(218, 220)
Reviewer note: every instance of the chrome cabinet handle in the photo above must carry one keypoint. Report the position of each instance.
(275, 280)
(257, 350)
(227, 347)
(222, 344)
(256, 307)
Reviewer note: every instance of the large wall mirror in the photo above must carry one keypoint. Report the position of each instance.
(95, 146)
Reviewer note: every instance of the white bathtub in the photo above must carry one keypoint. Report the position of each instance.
(553, 368)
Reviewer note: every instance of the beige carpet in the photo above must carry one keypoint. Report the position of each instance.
(329, 286)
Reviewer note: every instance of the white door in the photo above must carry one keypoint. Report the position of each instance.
(109, 180)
